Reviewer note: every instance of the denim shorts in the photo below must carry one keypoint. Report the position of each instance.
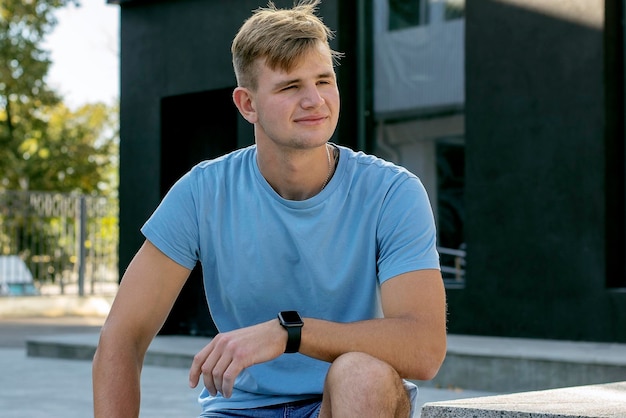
(308, 408)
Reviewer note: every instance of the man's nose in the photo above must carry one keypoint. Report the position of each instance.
(312, 98)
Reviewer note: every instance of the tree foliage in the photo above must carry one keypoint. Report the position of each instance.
(43, 144)
(47, 147)
(77, 151)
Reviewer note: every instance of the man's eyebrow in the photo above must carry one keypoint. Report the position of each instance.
(285, 83)
(328, 74)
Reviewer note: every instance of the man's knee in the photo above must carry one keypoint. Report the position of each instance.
(360, 380)
(362, 368)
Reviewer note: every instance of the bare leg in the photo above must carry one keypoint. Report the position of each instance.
(359, 385)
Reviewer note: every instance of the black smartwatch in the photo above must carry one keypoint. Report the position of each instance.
(292, 322)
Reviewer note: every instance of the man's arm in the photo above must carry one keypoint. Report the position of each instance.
(411, 337)
(145, 297)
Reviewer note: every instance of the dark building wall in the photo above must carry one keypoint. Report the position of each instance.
(167, 49)
(536, 175)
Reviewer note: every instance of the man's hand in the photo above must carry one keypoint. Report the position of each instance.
(221, 361)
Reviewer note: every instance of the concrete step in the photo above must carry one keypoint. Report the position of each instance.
(504, 365)
(591, 401)
(488, 364)
(165, 350)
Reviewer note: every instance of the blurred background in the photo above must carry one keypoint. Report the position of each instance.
(59, 147)
(511, 112)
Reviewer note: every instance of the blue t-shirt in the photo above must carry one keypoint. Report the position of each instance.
(325, 256)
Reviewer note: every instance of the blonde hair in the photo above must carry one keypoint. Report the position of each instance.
(280, 36)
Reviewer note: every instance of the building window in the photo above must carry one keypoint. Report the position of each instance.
(454, 9)
(450, 156)
(419, 109)
(433, 148)
(410, 13)
(407, 13)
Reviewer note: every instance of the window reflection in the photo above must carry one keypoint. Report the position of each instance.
(409, 13)
(419, 101)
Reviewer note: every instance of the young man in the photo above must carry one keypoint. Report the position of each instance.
(320, 264)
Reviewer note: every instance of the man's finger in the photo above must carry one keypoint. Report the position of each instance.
(196, 366)
(215, 366)
(228, 379)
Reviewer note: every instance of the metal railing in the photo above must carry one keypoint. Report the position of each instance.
(68, 242)
(452, 266)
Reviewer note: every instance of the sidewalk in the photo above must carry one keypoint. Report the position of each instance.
(39, 387)
(33, 387)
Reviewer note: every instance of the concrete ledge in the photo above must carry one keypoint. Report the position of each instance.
(165, 350)
(606, 400)
(503, 365)
(57, 305)
(485, 364)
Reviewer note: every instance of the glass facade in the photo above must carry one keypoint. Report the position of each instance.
(419, 100)
(409, 13)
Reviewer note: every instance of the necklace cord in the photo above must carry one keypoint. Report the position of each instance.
(330, 166)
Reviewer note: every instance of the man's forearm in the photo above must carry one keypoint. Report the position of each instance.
(411, 338)
(415, 351)
(116, 383)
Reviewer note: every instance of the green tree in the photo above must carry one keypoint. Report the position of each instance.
(38, 134)
(75, 152)
(46, 146)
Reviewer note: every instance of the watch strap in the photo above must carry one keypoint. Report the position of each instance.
(294, 335)
(292, 322)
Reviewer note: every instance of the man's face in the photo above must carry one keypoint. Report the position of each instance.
(299, 108)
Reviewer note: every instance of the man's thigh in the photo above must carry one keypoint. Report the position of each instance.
(309, 408)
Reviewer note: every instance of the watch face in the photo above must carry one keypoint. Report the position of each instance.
(290, 318)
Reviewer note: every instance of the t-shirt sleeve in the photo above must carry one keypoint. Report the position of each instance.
(407, 238)
(173, 227)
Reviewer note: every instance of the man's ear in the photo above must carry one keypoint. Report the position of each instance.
(243, 99)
